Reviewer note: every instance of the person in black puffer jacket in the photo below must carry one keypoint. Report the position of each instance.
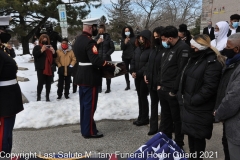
(128, 47)
(150, 77)
(197, 92)
(137, 68)
(105, 47)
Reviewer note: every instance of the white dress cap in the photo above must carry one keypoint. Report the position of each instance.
(91, 21)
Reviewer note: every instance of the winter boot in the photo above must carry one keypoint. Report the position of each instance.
(108, 86)
(47, 97)
(38, 97)
(100, 89)
(128, 86)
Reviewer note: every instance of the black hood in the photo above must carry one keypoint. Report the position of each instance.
(146, 34)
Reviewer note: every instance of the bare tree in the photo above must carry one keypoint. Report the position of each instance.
(120, 15)
(150, 11)
(181, 11)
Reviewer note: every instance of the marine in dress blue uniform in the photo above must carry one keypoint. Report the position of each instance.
(10, 93)
(88, 76)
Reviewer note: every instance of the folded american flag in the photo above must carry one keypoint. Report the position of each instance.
(159, 147)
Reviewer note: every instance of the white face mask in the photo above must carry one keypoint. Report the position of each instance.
(127, 34)
(216, 34)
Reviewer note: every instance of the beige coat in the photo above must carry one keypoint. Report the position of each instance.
(65, 59)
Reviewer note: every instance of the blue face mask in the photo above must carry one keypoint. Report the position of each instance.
(127, 34)
(165, 45)
(235, 24)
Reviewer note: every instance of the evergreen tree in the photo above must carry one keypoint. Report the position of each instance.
(196, 30)
(29, 15)
(120, 15)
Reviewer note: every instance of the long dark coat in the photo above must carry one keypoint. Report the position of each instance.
(197, 94)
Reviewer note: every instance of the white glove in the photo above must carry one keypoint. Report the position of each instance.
(117, 70)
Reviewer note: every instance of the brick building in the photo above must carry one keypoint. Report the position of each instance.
(218, 10)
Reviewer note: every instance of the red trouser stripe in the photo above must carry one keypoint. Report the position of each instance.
(1, 132)
(92, 111)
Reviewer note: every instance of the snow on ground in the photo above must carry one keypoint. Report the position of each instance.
(118, 104)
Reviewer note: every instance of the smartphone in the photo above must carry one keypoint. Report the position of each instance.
(48, 46)
(101, 36)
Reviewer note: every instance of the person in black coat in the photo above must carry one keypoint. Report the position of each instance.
(44, 55)
(137, 68)
(197, 92)
(184, 33)
(234, 24)
(174, 58)
(54, 38)
(105, 49)
(128, 47)
(150, 77)
(10, 93)
(209, 30)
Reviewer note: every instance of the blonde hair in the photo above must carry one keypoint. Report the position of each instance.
(205, 40)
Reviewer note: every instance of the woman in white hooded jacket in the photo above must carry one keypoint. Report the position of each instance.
(220, 32)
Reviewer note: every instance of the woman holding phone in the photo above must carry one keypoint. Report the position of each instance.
(43, 58)
(105, 47)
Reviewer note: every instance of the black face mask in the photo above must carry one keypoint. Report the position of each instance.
(157, 41)
(44, 42)
(193, 54)
(5, 37)
(229, 53)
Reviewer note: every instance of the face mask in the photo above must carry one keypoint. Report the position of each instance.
(5, 37)
(64, 46)
(216, 34)
(44, 42)
(165, 45)
(141, 42)
(229, 53)
(192, 50)
(235, 24)
(157, 41)
(127, 34)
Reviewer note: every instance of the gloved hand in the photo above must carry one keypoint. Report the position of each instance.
(117, 70)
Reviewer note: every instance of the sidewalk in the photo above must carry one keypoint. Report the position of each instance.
(119, 136)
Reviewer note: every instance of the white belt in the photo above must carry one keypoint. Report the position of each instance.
(84, 64)
(8, 83)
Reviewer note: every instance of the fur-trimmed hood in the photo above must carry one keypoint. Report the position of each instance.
(67, 50)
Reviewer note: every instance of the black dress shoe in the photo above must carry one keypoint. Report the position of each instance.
(67, 97)
(152, 132)
(108, 91)
(59, 97)
(139, 123)
(135, 122)
(98, 135)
